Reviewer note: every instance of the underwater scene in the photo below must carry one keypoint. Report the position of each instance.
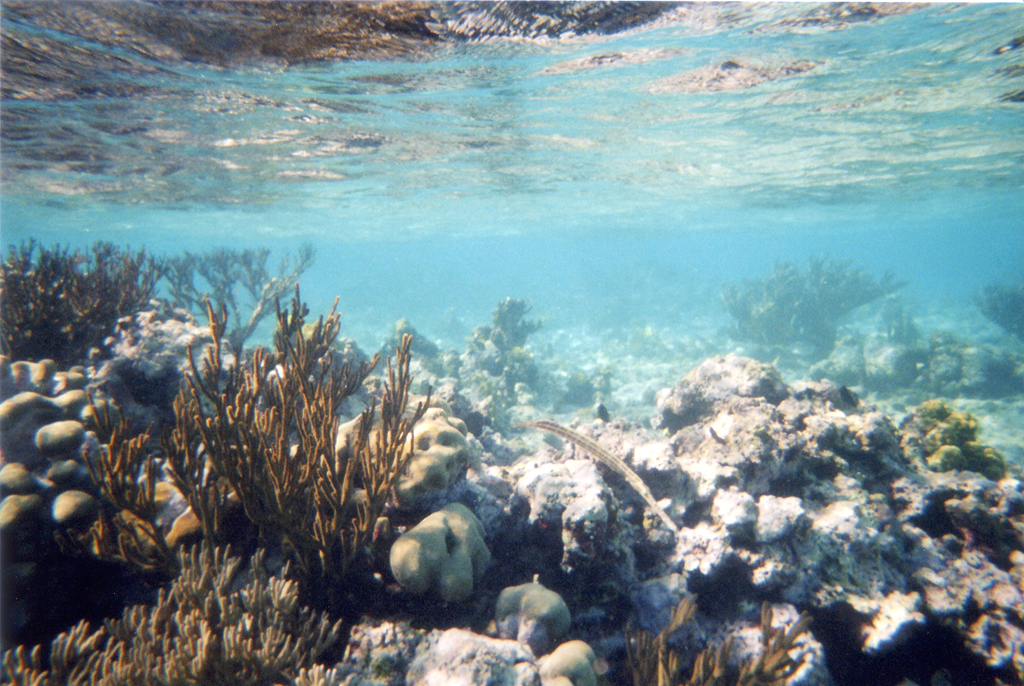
(521, 343)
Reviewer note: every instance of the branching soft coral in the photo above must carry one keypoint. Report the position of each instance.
(656, 663)
(206, 629)
(59, 303)
(264, 433)
(226, 277)
(791, 306)
(126, 474)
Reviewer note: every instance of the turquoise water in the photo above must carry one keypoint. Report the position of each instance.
(618, 181)
(597, 189)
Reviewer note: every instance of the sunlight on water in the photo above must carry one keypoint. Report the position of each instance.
(649, 165)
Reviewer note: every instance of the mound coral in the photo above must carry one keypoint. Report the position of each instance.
(532, 614)
(571, 664)
(445, 554)
(441, 455)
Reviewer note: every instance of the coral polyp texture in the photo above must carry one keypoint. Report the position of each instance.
(437, 457)
(533, 614)
(948, 440)
(444, 554)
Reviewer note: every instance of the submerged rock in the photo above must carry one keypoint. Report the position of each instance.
(811, 495)
(463, 658)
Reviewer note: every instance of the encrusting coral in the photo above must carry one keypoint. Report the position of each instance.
(207, 628)
(949, 440)
(59, 303)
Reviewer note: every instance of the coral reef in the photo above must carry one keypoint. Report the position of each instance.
(207, 628)
(444, 554)
(59, 303)
(147, 362)
(265, 433)
(655, 662)
(941, 365)
(457, 656)
(818, 498)
(440, 454)
(609, 460)
(948, 440)
(1004, 306)
(496, 364)
(229, 275)
(532, 614)
(743, 492)
(127, 528)
(791, 306)
(47, 443)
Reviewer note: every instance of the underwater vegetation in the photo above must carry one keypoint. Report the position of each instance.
(254, 456)
(208, 627)
(230, 275)
(791, 306)
(655, 662)
(59, 303)
(264, 433)
(1004, 306)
